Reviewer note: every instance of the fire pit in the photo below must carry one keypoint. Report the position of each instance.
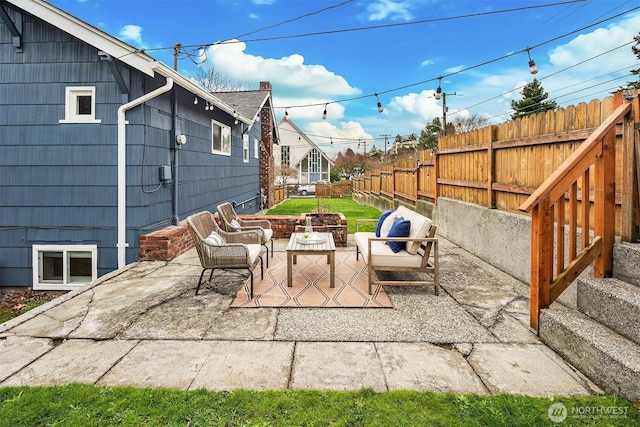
(326, 222)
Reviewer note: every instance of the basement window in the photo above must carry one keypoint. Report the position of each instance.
(80, 105)
(63, 267)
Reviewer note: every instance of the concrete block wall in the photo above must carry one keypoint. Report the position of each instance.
(502, 239)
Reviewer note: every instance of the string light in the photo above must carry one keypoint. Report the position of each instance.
(439, 90)
(324, 113)
(286, 115)
(380, 109)
(532, 64)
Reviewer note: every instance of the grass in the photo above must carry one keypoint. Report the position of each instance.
(76, 404)
(350, 209)
(7, 314)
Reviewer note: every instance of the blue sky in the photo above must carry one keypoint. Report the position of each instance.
(341, 53)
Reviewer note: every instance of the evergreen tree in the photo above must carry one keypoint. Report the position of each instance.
(533, 101)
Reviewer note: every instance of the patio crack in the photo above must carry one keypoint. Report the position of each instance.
(84, 317)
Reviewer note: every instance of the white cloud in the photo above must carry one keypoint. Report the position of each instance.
(422, 106)
(344, 136)
(427, 62)
(132, 33)
(386, 9)
(289, 75)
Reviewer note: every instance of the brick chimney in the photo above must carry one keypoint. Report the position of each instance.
(267, 165)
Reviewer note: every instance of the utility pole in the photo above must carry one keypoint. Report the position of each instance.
(444, 111)
(385, 135)
(176, 53)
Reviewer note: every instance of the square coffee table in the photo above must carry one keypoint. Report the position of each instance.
(326, 247)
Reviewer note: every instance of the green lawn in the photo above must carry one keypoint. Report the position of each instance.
(87, 405)
(350, 209)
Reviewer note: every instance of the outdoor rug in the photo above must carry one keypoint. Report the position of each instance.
(311, 284)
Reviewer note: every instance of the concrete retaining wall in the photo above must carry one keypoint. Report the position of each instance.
(502, 239)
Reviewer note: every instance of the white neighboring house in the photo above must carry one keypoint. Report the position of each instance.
(296, 150)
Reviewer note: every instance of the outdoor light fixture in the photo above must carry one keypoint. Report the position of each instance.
(195, 101)
(324, 113)
(331, 140)
(532, 64)
(439, 90)
(380, 109)
(235, 116)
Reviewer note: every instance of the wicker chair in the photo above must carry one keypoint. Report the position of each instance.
(227, 215)
(240, 250)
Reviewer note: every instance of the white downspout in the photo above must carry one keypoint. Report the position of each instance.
(122, 167)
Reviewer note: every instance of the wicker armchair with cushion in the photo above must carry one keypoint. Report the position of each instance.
(231, 223)
(219, 249)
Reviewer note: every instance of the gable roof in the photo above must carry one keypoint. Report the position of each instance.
(295, 159)
(125, 53)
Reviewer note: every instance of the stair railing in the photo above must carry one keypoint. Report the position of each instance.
(548, 208)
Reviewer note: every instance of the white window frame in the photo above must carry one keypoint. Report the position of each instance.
(256, 148)
(72, 104)
(66, 283)
(245, 148)
(225, 137)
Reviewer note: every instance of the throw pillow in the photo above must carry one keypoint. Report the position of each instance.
(400, 228)
(214, 239)
(384, 216)
(234, 223)
(387, 224)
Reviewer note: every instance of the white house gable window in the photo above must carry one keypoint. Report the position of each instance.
(64, 267)
(245, 148)
(80, 105)
(220, 138)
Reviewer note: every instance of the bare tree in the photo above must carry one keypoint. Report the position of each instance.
(467, 124)
(212, 80)
(285, 174)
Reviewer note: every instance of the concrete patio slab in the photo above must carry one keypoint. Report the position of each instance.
(173, 364)
(18, 352)
(531, 369)
(427, 367)
(83, 361)
(246, 364)
(336, 366)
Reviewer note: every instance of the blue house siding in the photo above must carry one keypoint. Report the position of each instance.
(58, 181)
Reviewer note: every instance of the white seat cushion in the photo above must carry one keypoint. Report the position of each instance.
(382, 255)
(254, 251)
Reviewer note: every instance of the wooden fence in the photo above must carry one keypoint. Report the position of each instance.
(340, 189)
(498, 166)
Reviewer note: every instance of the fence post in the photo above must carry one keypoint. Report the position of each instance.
(490, 135)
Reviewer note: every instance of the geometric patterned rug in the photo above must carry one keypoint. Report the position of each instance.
(311, 284)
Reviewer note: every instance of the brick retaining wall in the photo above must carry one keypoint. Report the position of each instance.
(169, 242)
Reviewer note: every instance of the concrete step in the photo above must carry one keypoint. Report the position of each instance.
(612, 302)
(607, 358)
(626, 260)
